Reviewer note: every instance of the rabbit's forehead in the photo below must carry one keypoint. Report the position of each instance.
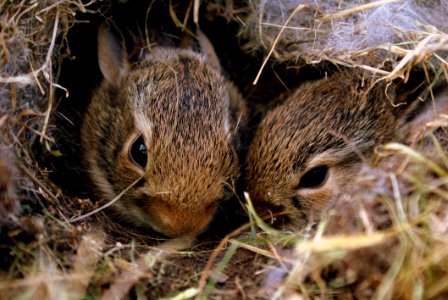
(184, 121)
(181, 104)
(297, 140)
(177, 71)
(184, 91)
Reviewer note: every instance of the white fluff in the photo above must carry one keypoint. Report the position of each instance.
(402, 23)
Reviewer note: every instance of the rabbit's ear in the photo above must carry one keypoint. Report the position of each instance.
(112, 56)
(207, 49)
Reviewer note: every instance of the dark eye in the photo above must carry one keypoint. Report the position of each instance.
(138, 153)
(314, 177)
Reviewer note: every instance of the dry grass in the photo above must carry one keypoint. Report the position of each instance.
(387, 37)
(385, 238)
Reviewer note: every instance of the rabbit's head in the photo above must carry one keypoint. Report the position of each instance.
(314, 142)
(164, 132)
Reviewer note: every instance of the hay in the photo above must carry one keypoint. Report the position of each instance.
(30, 34)
(33, 222)
(373, 35)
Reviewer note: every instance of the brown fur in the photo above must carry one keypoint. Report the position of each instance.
(188, 114)
(332, 122)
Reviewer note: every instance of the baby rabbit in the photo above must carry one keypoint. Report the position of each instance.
(168, 122)
(315, 140)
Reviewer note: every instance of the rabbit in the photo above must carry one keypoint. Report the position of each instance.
(165, 131)
(316, 140)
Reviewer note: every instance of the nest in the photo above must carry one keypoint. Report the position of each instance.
(385, 238)
(387, 37)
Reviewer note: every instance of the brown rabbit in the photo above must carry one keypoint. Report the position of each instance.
(170, 120)
(314, 142)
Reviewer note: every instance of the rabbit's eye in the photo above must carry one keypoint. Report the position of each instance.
(138, 153)
(314, 177)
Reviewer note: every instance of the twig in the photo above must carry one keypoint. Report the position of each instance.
(40, 184)
(356, 9)
(109, 203)
(296, 10)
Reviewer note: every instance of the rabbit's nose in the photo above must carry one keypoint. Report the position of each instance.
(177, 222)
